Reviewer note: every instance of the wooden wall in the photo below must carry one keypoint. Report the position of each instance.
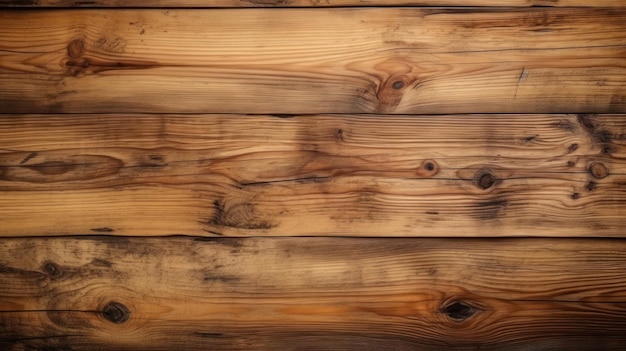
(312, 175)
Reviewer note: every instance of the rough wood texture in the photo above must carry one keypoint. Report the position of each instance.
(312, 293)
(306, 3)
(468, 175)
(383, 60)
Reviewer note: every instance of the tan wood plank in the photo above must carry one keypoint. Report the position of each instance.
(305, 3)
(460, 175)
(350, 60)
(312, 293)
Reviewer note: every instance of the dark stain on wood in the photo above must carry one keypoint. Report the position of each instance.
(601, 137)
(591, 185)
(101, 263)
(489, 209)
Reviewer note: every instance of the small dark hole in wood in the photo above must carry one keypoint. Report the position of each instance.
(429, 166)
(458, 311)
(115, 312)
(398, 85)
(575, 196)
(52, 269)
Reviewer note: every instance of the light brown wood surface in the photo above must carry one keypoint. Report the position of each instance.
(466, 175)
(312, 293)
(376, 60)
(306, 3)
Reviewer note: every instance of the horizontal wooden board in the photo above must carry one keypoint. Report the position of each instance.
(312, 293)
(306, 3)
(349, 60)
(465, 175)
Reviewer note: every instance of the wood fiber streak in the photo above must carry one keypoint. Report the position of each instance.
(287, 61)
(361, 175)
(311, 293)
(305, 3)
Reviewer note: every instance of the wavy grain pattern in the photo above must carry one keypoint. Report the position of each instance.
(465, 175)
(303, 61)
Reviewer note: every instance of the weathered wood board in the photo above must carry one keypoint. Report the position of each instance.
(312, 293)
(306, 3)
(465, 175)
(346, 60)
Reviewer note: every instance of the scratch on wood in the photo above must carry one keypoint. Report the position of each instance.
(29, 157)
(521, 78)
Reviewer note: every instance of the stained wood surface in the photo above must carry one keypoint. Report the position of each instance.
(306, 3)
(312, 293)
(467, 175)
(350, 60)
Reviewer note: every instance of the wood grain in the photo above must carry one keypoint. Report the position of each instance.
(465, 175)
(312, 293)
(303, 61)
(305, 3)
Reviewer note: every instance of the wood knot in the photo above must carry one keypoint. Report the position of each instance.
(398, 85)
(458, 311)
(428, 168)
(75, 48)
(598, 170)
(485, 179)
(115, 312)
(52, 269)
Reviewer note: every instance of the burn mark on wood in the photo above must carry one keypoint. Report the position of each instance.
(116, 312)
(458, 310)
(601, 137)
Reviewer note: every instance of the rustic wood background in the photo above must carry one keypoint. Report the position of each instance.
(312, 175)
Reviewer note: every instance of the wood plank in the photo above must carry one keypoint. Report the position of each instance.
(302, 61)
(465, 175)
(305, 3)
(312, 293)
